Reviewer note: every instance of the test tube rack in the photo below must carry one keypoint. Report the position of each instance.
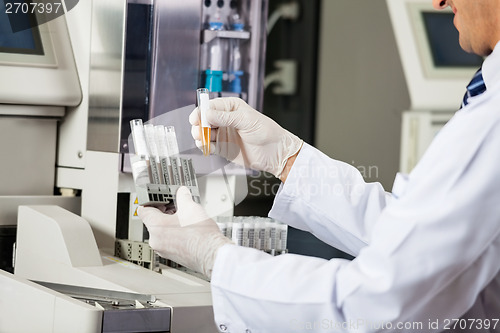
(261, 233)
(151, 194)
(157, 167)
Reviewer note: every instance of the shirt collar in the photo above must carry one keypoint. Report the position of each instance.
(491, 68)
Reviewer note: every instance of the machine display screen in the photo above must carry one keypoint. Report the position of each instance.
(23, 42)
(443, 41)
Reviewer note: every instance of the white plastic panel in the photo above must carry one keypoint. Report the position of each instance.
(29, 307)
(418, 130)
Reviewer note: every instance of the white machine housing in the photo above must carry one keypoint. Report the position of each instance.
(62, 261)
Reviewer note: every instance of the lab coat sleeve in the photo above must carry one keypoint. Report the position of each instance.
(330, 199)
(431, 253)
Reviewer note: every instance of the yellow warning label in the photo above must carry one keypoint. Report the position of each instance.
(135, 213)
(136, 202)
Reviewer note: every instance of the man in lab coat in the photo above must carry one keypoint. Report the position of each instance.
(427, 254)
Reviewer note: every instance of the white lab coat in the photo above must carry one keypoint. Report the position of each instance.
(426, 254)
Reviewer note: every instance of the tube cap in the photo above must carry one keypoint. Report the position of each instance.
(236, 82)
(213, 81)
(216, 25)
(238, 26)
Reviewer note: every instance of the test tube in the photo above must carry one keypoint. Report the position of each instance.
(173, 147)
(224, 223)
(140, 163)
(186, 177)
(154, 158)
(162, 144)
(270, 235)
(260, 234)
(229, 231)
(282, 235)
(173, 150)
(237, 231)
(223, 227)
(249, 232)
(203, 105)
(140, 145)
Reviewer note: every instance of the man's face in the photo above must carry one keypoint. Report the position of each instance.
(477, 21)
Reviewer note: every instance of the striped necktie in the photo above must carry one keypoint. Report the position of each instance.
(475, 87)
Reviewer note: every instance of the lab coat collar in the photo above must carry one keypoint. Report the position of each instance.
(491, 68)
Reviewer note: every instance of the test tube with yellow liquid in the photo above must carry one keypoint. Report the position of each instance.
(203, 105)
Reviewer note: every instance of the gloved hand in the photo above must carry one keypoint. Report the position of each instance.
(245, 136)
(188, 237)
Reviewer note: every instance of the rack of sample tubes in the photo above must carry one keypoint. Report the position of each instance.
(157, 167)
(261, 233)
